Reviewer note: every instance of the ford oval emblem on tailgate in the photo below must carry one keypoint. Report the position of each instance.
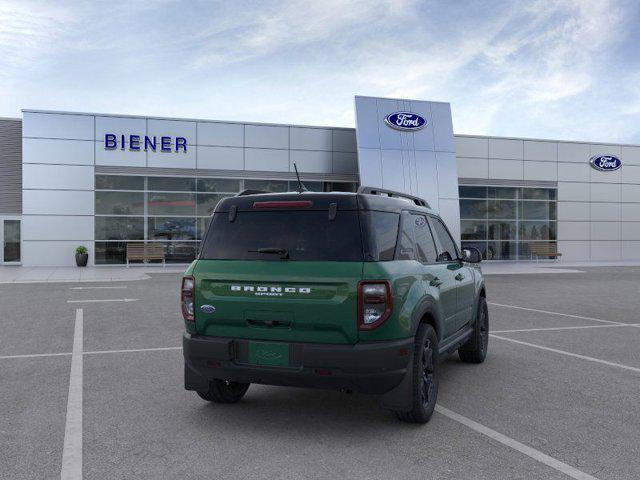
(207, 308)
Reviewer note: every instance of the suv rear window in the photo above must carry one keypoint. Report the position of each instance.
(306, 235)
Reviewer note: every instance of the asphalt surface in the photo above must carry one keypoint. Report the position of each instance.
(577, 403)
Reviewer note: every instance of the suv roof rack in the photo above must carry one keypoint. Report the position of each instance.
(250, 192)
(390, 193)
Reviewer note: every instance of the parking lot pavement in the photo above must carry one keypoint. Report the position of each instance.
(546, 404)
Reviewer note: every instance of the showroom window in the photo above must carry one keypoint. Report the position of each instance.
(503, 222)
(171, 211)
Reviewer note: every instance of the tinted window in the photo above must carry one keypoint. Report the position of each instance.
(407, 248)
(448, 247)
(119, 182)
(424, 241)
(382, 232)
(175, 184)
(305, 235)
(119, 203)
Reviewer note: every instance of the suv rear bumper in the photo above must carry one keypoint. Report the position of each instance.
(372, 367)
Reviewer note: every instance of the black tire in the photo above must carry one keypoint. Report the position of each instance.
(425, 377)
(221, 391)
(475, 350)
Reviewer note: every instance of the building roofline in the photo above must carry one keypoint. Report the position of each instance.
(180, 119)
(402, 99)
(548, 140)
(11, 118)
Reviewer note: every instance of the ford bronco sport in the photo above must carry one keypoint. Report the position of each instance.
(350, 291)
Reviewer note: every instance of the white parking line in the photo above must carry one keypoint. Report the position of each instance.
(562, 352)
(97, 288)
(515, 445)
(35, 355)
(548, 329)
(158, 349)
(72, 450)
(555, 313)
(125, 300)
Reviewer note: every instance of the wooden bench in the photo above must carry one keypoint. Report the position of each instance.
(544, 250)
(145, 252)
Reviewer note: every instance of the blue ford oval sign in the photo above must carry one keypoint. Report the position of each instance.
(405, 121)
(605, 163)
(208, 308)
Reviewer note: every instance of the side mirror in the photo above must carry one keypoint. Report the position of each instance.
(471, 255)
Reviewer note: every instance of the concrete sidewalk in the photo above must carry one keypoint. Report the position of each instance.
(19, 274)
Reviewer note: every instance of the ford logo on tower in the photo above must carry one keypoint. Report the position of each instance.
(405, 121)
(605, 163)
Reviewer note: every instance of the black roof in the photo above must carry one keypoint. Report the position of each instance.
(321, 200)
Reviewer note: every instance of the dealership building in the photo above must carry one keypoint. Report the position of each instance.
(106, 181)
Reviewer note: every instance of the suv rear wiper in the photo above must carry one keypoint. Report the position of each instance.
(283, 252)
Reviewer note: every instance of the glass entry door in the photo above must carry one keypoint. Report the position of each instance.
(10, 238)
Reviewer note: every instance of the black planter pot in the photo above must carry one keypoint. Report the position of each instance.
(81, 259)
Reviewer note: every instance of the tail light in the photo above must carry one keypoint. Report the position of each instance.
(375, 304)
(186, 298)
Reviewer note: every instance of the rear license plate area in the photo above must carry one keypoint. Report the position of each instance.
(268, 354)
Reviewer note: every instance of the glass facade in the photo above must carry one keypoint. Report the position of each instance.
(503, 222)
(171, 211)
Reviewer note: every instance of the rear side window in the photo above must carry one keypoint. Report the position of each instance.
(406, 250)
(424, 240)
(381, 233)
(447, 251)
(304, 235)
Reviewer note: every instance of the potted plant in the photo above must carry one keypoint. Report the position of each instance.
(82, 256)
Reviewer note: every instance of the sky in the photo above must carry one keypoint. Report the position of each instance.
(540, 69)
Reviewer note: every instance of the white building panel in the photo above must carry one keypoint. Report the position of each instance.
(605, 231)
(473, 167)
(605, 212)
(596, 176)
(574, 250)
(67, 152)
(60, 177)
(597, 149)
(120, 126)
(344, 141)
(393, 170)
(442, 127)
(57, 202)
(573, 192)
(574, 152)
(344, 162)
(630, 250)
(630, 155)
(472, 147)
(630, 193)
(630, 212)
(56, 227)
(57, 125)
(220, 158)
(574, 172)
(547, 171)
(119, 157)
(574, 211)
(172, 159)
(367, 122)
(266, 160)
(605, 251)
(630, 174)
(545, 151)
(370, 166)
(447, 175)
(506, 149)
(311, 161)
(172, 128)
(220, 134)
(390, 138)
(602, 192)
(631, 231)
(573, 231)
(427, 169)
(266, 136)
(449, 210)
(506, 169)
(311, 139)
(52, 253)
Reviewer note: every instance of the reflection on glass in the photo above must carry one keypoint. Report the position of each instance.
(503, 209)
(502, 231)
(472, 192)
(119, 182)
(213, 185)
(167, 228)
(267, 185)
(503, 192)
(119, 228)
(473, 230)
(473, 209)
(171, 184)
(11, 242)
(207, 203)
(119, 203)
(171, 204)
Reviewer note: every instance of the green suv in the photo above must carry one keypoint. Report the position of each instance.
(349, 291)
